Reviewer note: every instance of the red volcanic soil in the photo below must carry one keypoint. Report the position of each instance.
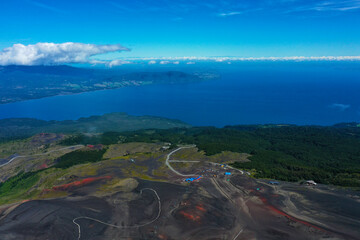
(43, 166)
(194, 214)
(274, 209)
(190, 216)
(80, 183)
(201, 208)
(162, 236)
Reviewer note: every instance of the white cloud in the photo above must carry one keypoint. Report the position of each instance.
(163, 62)
(167, 60)
(53, 53)
(325, 6)
(337, 5)
(110, 63)
(152, 62)
(339, 106)
(116, 62)
(227, 8)
(227, 14)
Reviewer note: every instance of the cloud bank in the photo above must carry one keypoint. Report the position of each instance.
(339, 106)
(53, 53)
(70, 52)
(168, 60)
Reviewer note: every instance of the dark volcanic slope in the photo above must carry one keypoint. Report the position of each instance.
(52, 219)
(293, 211)
(218, 206)
(213, 208)
(185, 214)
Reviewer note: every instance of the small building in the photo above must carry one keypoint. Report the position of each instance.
(311, 183)
(95, 147)
(193, 179)
(273, 182)
(165, 148)
(227, 173)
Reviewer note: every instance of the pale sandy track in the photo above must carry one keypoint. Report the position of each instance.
(121, 227)
(171, 168)
(42, 154)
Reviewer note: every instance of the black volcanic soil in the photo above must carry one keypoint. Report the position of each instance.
(236, 207)
(52, 219)
(187, 214)
(293, 211)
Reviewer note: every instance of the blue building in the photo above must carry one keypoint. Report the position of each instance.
(274, 183)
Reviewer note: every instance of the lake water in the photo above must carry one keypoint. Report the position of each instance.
(247, 93)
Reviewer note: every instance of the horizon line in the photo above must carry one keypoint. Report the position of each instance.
(227, 58)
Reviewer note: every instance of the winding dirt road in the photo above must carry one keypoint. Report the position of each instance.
(75, 147)
(121, 227)
(171, 168)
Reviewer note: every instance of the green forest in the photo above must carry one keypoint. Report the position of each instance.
(329, 155)
(19, 185)
(79, 157)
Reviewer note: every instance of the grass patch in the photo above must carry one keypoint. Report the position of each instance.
(18, 187)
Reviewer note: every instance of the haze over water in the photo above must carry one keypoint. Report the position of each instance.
(321, 93)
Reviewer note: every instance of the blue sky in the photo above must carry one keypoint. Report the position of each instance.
(167, 28)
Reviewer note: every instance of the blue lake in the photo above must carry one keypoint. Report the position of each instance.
(247, 93)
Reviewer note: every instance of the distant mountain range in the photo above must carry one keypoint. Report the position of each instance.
(19, 83)
(15, 128)
(60, 70)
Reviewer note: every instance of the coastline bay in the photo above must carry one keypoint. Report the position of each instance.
(296, 93)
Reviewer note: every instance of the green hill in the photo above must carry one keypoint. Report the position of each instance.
(119, 122)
